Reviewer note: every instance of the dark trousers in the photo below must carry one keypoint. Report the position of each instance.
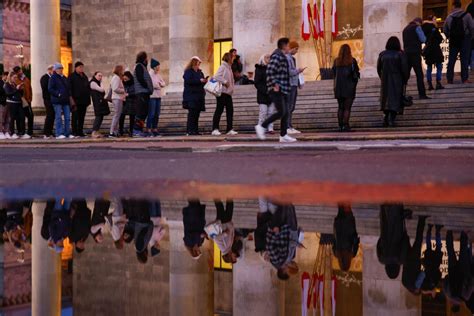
(292, 105)
(78, 118)
(224, 101)
(344, 111)
(49, 121)
(414, 61)
(224, 214)
(97, 123)
(193, 121)
(279, 100)
(459, 271)
(141, 111)
(130, 124)
(28, 114)
(17, 115)
(465, 53)
(412, 264)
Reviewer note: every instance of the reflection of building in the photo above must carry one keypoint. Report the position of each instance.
(15, 30)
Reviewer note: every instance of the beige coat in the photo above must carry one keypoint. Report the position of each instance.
(225, 76)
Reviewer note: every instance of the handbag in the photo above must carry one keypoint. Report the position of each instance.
(355, 73)
(213, 87)
(213, 229)
(104, 107)
(108, 97)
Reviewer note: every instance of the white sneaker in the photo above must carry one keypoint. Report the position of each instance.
(26, 136)
(2, 136)
(260, 131)
(14, 136)
(287, 139)
(216, 133)
(7, 136)
(61, 137)
(292, 131)
(46, 137)
(71, 137)
(232, 133)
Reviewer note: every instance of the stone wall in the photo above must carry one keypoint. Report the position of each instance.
(110, 32)
(223, 23)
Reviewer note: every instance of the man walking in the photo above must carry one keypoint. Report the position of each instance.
(27, 98)
(459, 29)
(81, 98)
(294, 84)
(278, 84)
(413, 37)
(49, 121)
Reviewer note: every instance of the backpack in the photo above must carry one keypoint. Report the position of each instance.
(456, 33)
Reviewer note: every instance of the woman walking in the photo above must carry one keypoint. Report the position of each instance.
(194, 94)
(14, 94)
(154, 108)
(224, 75)
(263, 98)
(432, 52)
(346, 77)
(129, 104)
(392, 69)
(101, 106)
(118, 96)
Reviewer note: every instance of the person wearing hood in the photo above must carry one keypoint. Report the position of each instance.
(432, 52)
(459, 29)
(101, 106)
(143, 89)
(266, 107)
(194, 221)
(154, 108)
(225, 77)
(129, 104)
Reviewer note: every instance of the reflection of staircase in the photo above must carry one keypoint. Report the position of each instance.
(316, 109)
(433, 307)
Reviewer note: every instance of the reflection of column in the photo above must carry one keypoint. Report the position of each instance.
(191, 281)
(45, 34)
(381, 295)
(191, 30)
(45, 270)
(382, 19)
(257, 26)
(257, 290)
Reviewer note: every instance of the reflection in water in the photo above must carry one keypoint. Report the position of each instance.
(291, 271)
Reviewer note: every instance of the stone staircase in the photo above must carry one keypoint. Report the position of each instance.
(316, 110)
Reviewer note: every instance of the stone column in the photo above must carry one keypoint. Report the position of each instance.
(191, 281)
(382, 295)
(382, 19)
(45, 37)
(258, 24)
(45, 270)
(257, 290)
(191, 30)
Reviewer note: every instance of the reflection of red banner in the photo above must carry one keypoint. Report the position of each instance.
(334, 25)
(316, 23)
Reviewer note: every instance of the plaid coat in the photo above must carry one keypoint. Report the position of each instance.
(281, 247)
(278, 72)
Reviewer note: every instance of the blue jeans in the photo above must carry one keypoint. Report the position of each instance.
(465, 54)
(154, 111)
(439, 72)
(58, 110)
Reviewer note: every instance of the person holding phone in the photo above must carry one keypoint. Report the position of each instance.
(194, 94)
(294, 84)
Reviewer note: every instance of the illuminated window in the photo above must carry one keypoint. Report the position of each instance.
(220, 48)
(218, 262)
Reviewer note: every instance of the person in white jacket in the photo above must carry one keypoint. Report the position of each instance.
(154, 108)
(225, 76)
(118, 96)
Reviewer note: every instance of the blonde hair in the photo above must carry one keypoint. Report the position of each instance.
(193, 62)
(10, 77)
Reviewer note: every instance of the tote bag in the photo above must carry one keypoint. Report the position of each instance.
(214, 87)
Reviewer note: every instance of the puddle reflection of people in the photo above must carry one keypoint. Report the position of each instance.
(431, 262)
(13, 224)
(458, 284)
(194, 221)
(60, 224)
(81, 224)
(264, 216)
(346, 243)
(116, 222)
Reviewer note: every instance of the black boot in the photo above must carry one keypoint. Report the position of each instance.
(340, 119)
(391, 118)
(430, 86)
(385, 120)
(438, 85)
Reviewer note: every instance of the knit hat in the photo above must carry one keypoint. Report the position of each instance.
(154, 63)
(294, 44)
(57, 66)
(78, 63)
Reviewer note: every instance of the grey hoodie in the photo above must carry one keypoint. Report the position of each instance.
(468, 22)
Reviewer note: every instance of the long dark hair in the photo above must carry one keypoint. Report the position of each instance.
(393, 43)
(345, 56)
(93, 79)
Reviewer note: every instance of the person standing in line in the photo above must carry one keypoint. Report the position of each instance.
(266, 107)
(81, 98)
(432, 261)
(225, 77)
(459, 29)
(194, 221)
(4, 115)
(432, 52)
(413, 37)
(154, 109)
(14, 93)
(49, 121)
(278, 84)
(129, 104)
(294, 84)
(233, 52)
(143, 89)
(194, 94)
(60, 92)
(346, 77)
(118, 97)
(393, 71)
(26, 99)
(101, 106)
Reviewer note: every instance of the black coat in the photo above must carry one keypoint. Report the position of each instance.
(194, 220)
(3, 95)
(101, 106)
(260, 83)
(194, 94)
(81, 221)
(44, 81)
(393, 244)
(129, 106)
(345, 233)
(392, 68)
(345, 80)
(80, 88)
(432, 51)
